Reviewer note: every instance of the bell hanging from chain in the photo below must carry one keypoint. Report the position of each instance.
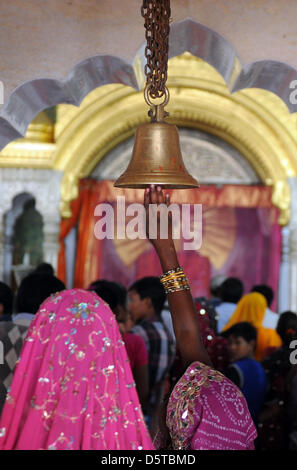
(156, 157)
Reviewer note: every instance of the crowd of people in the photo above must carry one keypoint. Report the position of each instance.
(145, 367)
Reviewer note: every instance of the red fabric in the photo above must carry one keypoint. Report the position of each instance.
(226, 196)
(241, 237)
(215, 345)
(136, 350)
(66, 226)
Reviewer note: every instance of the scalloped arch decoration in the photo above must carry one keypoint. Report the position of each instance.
(254, 121)
(32, 97)
(211, 91)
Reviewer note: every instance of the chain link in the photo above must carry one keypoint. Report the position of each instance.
(156, 14)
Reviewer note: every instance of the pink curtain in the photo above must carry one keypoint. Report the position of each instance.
(241, 237)
(256, 253)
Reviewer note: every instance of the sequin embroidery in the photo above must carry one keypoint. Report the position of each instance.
(84, 380)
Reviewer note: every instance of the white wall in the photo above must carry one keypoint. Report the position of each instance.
(46, 38)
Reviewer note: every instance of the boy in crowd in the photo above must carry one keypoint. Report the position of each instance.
(270, 318)
(245, 371)
(146, 299)
(115, 295)
(230, 293)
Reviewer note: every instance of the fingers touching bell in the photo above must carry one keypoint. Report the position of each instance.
(146, 200)
(154, 195)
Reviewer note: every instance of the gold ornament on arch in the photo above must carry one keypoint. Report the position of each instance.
(254, 121)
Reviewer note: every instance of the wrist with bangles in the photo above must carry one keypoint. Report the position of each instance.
(174, 280)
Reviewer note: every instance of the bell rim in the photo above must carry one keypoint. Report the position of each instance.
(164, 185)
(169, 181)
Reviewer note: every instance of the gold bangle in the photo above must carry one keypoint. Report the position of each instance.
(170, 281)
(172, 271)
(173, 276)
(175, 280)
(181, 281)
(176, 289)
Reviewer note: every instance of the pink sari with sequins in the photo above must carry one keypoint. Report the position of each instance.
(73, 387)
(206, 411)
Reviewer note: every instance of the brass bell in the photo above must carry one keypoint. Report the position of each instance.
(156, 157)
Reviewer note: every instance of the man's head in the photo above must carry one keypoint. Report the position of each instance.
(6, 299)
(113, 293)
(216, 283)
(266, 291)
(231, 290)
(45, 268)
(146, 298)
(287, 327)
(34, 289)
(242, 340)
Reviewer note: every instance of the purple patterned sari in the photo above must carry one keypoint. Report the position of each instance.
(206, 411)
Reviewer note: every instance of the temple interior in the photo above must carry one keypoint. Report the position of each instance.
(72, 79)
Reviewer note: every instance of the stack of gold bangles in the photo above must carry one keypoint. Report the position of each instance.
(174, 280)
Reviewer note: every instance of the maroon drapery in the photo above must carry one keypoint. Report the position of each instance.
(241, 237)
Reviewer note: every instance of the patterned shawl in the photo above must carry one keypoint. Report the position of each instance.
(73, 387)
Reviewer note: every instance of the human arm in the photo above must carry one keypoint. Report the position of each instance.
(184, 316)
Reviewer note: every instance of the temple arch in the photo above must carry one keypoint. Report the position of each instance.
(36, 95)
(254, 121)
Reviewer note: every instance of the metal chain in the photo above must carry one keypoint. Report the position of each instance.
(156, 14)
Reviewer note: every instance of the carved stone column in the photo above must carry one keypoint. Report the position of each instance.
(293, 245)
(284, 275)
(1, 247)
(51, 230)
(44, 186)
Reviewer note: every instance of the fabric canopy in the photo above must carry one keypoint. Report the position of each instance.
(241, 237)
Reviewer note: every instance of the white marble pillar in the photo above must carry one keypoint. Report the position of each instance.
(293, 245)
(1, 248)
(284, 275)
(45, 187)
(71, 245)
(51, 231)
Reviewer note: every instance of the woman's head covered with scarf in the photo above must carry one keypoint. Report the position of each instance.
(73, 387)
(251, 308)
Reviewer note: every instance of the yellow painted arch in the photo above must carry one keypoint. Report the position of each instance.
(256, 122)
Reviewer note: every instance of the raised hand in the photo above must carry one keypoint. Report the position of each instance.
(158, 217)
(184, 315)
(159, 226)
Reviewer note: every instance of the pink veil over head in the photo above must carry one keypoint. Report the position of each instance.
(73, 387)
